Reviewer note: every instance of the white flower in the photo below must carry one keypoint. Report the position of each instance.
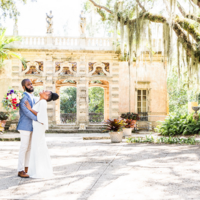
(9, 97)
(14, 96)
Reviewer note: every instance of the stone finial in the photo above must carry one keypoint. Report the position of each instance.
(82, 24)
(49, 20)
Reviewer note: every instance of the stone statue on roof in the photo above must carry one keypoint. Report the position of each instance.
(82, 24)
(49, 20)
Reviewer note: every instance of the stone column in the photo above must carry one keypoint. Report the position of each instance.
(16, 79)
(57, 107)
(82, 103)
(49, 84)
(82, 96)
(114, 92)
(106, 103)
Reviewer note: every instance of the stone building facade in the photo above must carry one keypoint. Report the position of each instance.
(53, 62)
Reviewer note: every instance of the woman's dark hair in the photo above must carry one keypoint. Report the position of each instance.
(53, 97)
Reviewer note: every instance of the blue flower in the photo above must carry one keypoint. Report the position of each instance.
(11, 91)
(17, 105)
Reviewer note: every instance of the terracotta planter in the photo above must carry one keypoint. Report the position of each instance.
(127, 131)
(116, 137)
(2, 125)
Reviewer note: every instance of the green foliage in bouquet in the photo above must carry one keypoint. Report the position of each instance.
(3, 116)
(179, 125)
(129, 115)
(114, 125)
(11, 102)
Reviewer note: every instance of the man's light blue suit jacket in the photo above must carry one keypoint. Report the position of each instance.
(26, 116)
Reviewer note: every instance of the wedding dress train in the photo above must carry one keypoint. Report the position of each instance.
(40, 162)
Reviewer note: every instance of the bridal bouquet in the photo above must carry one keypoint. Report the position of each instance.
(11, 101)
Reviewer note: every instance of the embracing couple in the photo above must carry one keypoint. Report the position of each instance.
(34, 160)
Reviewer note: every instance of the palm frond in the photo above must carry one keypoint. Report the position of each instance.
(5, 53)
(11, 53)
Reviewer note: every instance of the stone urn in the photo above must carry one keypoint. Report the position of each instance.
(127, 131)
(116, 137)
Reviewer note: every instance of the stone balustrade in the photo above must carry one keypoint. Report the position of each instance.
(73, 43)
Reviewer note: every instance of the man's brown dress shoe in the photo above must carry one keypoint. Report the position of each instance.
(26, 169)
(22, 174)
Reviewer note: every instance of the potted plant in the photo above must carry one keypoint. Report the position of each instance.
(129, 115)
(115, 129)
(130, 124)
(3, 118)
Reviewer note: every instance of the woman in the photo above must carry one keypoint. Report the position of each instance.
(40, 162)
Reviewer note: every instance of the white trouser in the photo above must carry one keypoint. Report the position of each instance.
(25, 149)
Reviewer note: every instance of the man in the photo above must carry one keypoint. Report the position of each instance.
(25, 128)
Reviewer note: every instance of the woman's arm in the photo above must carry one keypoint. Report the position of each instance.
(29, 107)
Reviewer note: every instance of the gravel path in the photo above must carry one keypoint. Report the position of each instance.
(97, 169)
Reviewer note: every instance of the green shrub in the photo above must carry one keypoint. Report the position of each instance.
(177, 124)
(163, 140)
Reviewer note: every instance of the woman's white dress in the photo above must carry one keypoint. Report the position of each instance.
(40, 162)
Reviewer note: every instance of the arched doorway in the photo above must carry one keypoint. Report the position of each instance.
(96, 104)
(67, 92)
(68, 104)
(98, 101)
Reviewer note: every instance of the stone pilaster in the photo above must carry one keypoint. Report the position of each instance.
(50, 85)
(114, 92)
(6, 79)
(82, 96)
(82, 102)
(106, 103)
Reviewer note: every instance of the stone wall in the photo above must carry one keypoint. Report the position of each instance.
(6, 75)
(83, 67)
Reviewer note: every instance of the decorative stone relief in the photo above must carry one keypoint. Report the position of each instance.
(40, 63)
(99, 69)
(65, 68)
(33, 67)
(64, 82)
(37, 82)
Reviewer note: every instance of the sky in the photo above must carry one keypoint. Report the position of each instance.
(32, 19)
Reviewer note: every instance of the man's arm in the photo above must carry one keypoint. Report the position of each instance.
(26, 111)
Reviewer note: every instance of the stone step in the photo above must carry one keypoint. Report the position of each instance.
(64, 127)
(68, 131)
(95, 127)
